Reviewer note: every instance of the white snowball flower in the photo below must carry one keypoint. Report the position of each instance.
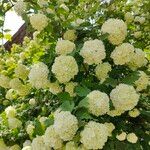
(14, 123)
(32, 101)
(20, 7)
(42, 3)
(134, 113)
(3, 146)
(38, 144)
(94, 135)
(21, 71)
(122, 136)
(70, 146)
(27, 143)
(102, 70)
(117, 30)
(98, 103)
(15, 147)
(10, 94)
(52, 139)
(64, 47)
(4, 81)
(70, 35)
(124, 97)
(132, 138)
(93, 52)
(138, 59)
(65, 68)
(129, 17)
(139, 19)
(15, 84)
(27, 148)
(142, 82)
(55, 88)
(65, 125)
(110, 126)
(10, 112)
(137, 34)
(30, 129)
(115, 112)
(39, 21)
(70, 87)
(122, 54)
(38, 75)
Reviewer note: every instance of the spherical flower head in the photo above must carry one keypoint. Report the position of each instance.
(24, 90)
(11, 94)
(134, 113)
(102, 70)
(137, 34)
(65, 68)
(38, 75)
(52, 139)
(15, 84)
(39, 21)
(21, 71)
(129, 17)
(3, 146)
(70, 87)
(27, 148)
(117, 30)
(10, 112)
(70, 146)
(94, 135)
(64, 47)
(15, 147)
(122, 136)
(98, 103)
(132, 138)
(27, 143)
(124, 97)
(93, 52)
(55, 88)
(115, 112)
(110, 127)
(30, 129)
(138, 59)
(32, 101)
(65, 125)
(122, 54)
(42, 3)
(142, 82)
(70, 35)
(38, 144)
(14, 123)
(20, 7)
(139, 19)
(4, 81)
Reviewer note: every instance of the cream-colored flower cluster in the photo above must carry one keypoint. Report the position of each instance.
(52, 139)
(42, 3)
(65, 125)
(38, 75)
(70, 86)
(142, 82)
(70, 35)
(54, 88)
(4, 81)
(65, 68)
(98, 103)
(64, 47)
(39, 21)
(102, 70)
(134, 113)
(110, 126)
(122, 54)
(124, 97)
(30, 129)
(71, 146)
(129, 17)
(10, 112)
(94, 135)
(20, 7)
(117, 30)
(93, 52)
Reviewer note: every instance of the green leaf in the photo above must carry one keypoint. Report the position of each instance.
(110, 81)
(82, 91)
(49, 121)
(64, 96)
(83, 103)
(131, 78)
(67, 106)
(38, 127)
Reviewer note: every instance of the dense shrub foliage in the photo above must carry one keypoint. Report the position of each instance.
(82, 82)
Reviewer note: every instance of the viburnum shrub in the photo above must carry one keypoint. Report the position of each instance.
(82, 81)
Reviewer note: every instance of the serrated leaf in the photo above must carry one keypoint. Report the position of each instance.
(82, 90)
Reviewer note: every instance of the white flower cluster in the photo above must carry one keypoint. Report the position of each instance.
(98, 103)
(55, 88)
(3, 146)
(94, 135)
(129, 17)
(139, 19)
(132, 138)
(122, 136)
(65, 125)
(42, 3)
(21, 71)
(30, 129)
(52, 139)
(122, 54)
(117, 30)
(142, 82)
(71, 146)
(124, 97)
(4, 81)
(102, 70)
(38, 75)
(70, 86)
(138, 59)
(20, 7)
(115, 112)
(137, 34)
(14, 123)
(93, 52)
(27, 148)
(15, 84)
(70, 35)
(110, 127)
(10, 112)
(64, 47)
(65, 68)
(39, 21)
(10, 94)
(134, 113)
